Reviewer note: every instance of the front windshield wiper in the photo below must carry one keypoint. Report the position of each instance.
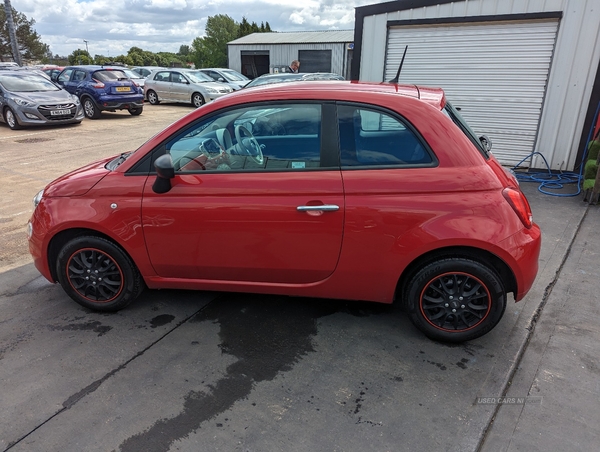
(120, 159)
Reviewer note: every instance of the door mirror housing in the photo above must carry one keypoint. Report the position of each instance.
(164, 173)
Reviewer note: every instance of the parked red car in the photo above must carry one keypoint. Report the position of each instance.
(342, 190)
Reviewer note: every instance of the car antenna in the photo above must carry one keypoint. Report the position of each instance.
(395, 79)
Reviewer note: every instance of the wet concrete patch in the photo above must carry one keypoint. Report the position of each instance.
(92, 325)
(268, 335)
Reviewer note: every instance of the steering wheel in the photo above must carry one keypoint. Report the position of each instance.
(247, 144)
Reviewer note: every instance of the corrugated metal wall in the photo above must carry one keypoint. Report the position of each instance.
(281, 55)
(496, 73)
(572, 73)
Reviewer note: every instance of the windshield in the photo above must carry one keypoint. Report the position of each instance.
(26, 83)
(267, 80)
(234, 76)
(453, 113)
(199, 77)
(129, 73)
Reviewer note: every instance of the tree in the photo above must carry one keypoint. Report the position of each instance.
(30, 45)
(80, 56)
(211, 50)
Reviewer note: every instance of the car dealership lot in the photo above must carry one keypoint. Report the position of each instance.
(197, 371)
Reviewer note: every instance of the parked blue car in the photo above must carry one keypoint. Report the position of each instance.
(101, 89)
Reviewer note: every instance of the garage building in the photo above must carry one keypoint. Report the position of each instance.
(525, 73)
(318, 51)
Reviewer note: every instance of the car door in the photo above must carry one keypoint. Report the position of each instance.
(64, 80)
(161, 84)
(180, 87)
(232, 216)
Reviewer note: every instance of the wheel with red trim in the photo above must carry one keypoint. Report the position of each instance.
(455, 299)
(98, 274)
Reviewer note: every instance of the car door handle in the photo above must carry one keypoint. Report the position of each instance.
(323, 208)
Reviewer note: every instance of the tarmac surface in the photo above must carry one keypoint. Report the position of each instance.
(196, 371)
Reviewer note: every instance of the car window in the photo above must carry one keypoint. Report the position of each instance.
(162, 76)
(109, 75)
(370, 137)
(176, 77)
(65, 76)
(78, 76)
(281, 137)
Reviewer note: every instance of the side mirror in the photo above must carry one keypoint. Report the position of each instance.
(164, 173)
(486, 142)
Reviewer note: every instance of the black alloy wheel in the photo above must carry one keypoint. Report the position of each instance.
(97, 274)
(456, 299)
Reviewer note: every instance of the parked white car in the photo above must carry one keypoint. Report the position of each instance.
(182, 85)
(228, 76)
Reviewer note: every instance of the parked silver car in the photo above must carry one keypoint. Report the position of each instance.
(182, 85)
(228, 76)
(30, 99)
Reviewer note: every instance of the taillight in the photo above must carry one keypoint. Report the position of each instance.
(520, 205)
(98, 84)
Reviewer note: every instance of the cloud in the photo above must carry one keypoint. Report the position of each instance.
(111, 28)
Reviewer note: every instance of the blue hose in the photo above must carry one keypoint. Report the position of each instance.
(548, 180)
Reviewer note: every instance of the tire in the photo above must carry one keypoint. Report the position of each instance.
(90, 110)
(152, 97)
(136, 111)
(11, 119)
(198, 100)
(97, 274)
(455, 299)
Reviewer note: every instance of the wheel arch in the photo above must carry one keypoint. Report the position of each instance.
(60, 239)
(476, 254)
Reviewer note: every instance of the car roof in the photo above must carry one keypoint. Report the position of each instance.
(342, 89)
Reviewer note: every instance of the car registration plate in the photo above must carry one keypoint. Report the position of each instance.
(60, 112)
(123, 88)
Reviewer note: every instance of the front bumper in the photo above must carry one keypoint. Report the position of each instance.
(41, 115)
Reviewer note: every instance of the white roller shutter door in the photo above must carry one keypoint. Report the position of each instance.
(495, 72)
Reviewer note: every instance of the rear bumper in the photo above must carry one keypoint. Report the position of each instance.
(524, 247)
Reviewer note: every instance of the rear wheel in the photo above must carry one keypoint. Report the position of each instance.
(152, 97)
(97, 274)
(455, 299)
(135, 111)
(89, 108)
(11, 119)
(198, 100)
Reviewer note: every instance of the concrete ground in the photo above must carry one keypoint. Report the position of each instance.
(558, 373)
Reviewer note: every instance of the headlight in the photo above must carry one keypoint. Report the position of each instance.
(37, 198)
(75, 99)
(22, 102)
(211, 90)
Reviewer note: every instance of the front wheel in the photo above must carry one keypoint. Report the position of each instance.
(11, 119)
(97, 274)
(135, 111)
(89, 109)
(197, 100)
(455, 299)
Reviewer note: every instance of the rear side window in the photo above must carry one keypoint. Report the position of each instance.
(371, 137)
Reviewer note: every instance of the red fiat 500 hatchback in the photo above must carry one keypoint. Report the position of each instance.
(336, 189)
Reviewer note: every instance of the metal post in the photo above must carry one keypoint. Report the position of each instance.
(11, 32)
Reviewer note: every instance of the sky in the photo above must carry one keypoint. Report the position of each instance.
(112, 27)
